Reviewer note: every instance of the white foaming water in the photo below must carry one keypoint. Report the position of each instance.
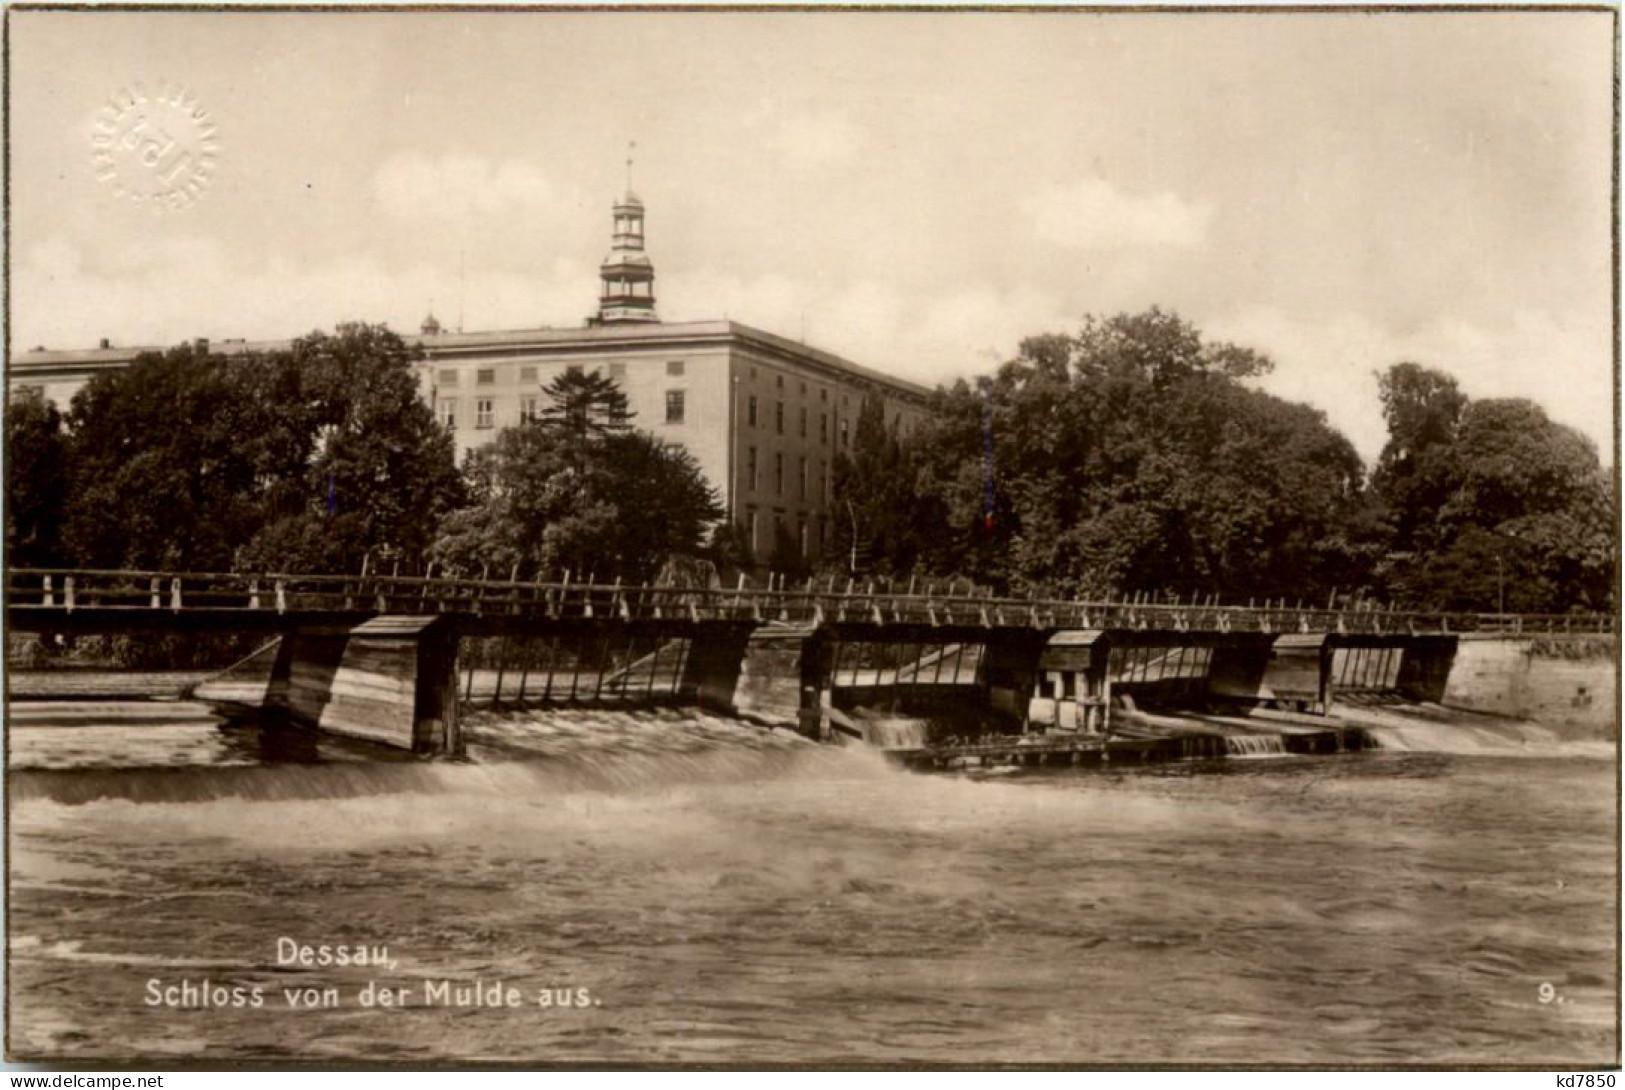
(730, 892)
(896, 733)
(1433, 729)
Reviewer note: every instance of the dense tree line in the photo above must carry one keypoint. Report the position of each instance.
(296, 460)
(1133, 457)
(317, 457)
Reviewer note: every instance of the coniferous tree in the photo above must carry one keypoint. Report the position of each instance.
(586, 403)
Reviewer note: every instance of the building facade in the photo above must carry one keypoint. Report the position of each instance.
(764, 416)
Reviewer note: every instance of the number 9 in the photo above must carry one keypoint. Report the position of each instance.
(1547, 992)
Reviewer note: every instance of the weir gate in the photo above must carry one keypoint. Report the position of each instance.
(395, 659)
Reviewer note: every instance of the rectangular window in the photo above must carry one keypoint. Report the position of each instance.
(823, 482)
(448, 376)
(485, 376)
(617, 370)
(674, 367)
(823, 395)
(778, 417)
(527, 374)
(823, 427)
(448, 411)
(778, 380)
(750, 465)
(778, 474)
(750, 413)
(801, 533)
(527, 410)
(574, 369)
(755, 542)
(674, 406)
(823, 533)
(803, 478)
(843, 433)
(804, 421)
(484, 412)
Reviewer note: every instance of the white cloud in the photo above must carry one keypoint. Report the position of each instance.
(1091, 214)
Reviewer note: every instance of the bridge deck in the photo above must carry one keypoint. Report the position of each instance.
(89, 600)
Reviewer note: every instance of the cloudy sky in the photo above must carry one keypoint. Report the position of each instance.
(915, 191)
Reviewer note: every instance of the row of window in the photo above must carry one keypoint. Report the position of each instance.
(823, 392)
(487, 376)
(530, 407)
(751, 481)
(752, 408)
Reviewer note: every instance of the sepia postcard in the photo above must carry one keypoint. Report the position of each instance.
(812, 537)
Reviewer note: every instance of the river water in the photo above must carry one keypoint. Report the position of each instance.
(684, 889)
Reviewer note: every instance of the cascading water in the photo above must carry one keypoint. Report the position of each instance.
(1254, 745)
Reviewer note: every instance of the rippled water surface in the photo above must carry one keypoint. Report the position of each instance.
(729, 896)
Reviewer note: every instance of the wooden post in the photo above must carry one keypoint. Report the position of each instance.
(156, 593)
(50, 598)
(281, 597)
(552, 664)
(524, 670)
(253, 594)
(67, 591)
(603, 664)
(654, 666)
(502, 663)
(175, 594)
(575, 670)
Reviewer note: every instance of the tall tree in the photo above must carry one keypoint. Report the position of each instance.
(1411, 480)
(36, 481)
(362, 465)
(1518, 514)
(1132, 457)
(160, 475)
(553, 495)
(873, 514)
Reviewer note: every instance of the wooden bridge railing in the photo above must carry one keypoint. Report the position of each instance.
(38, 590)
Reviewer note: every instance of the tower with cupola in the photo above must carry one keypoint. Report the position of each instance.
(627, 276)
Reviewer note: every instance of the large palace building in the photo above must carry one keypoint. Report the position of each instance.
(765, 416)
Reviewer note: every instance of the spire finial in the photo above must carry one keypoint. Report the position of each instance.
(631, 146)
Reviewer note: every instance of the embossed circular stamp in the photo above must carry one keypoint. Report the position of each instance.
(157, 145)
